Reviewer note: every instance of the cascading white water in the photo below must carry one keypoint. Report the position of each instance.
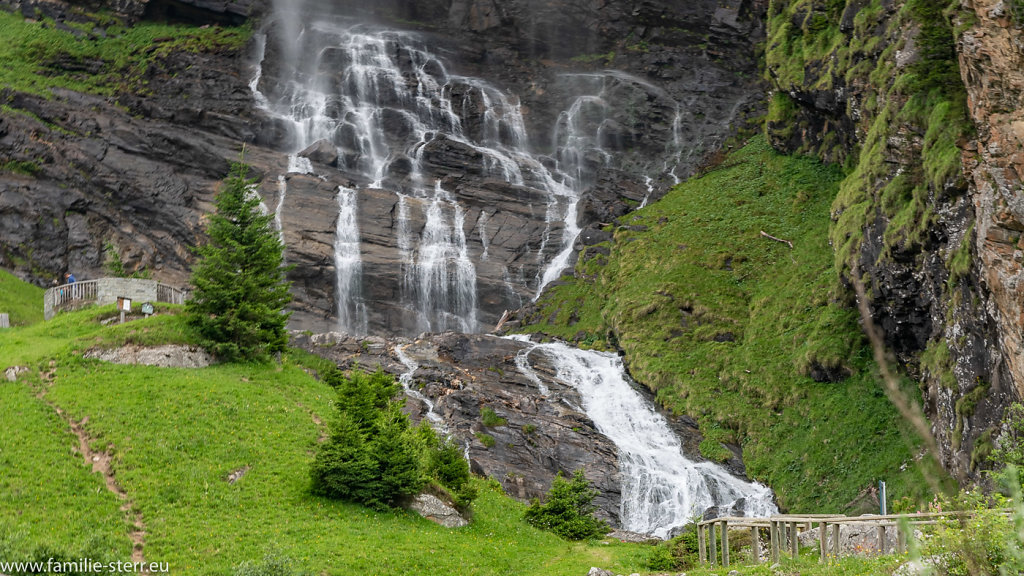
(445, 276)
(662, 488)
(405, 379)
(380, 98)
(352, 316)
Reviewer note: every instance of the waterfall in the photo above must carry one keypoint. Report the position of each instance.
(389, 107)
(381, 98)
(662, 488)
(444, 273)
(405, 379)
(352, 317)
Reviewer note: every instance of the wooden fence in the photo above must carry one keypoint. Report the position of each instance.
(784, 531)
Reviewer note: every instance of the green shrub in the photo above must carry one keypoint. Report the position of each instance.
(373, 456)
(568, 510)
(490, 418)
(1009, 455)
(446, 466)
(982, 543)
(485, 439)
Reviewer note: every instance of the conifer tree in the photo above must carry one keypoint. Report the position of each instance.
(239, 287)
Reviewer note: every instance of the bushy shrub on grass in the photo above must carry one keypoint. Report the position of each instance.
(982, 542)
(568, 509)
(446, 467)
(374, 457)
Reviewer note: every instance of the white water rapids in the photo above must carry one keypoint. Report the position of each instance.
(661, 487)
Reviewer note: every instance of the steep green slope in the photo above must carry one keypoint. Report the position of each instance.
(175, 437)
(742, 331)
(21, 300)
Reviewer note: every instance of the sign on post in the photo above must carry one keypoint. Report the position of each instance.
(124, 305)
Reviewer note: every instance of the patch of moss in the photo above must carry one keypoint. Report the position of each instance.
(28, 168)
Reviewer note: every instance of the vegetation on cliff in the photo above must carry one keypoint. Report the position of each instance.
(97, 53)
(879, 89)
(744, 332)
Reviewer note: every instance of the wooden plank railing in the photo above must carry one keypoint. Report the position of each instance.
(67, 294)
(170, 294)
(783, 532)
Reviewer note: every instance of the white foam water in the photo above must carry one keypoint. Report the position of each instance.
(662, 488)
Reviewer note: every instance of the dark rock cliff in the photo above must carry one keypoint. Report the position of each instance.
(137, 171)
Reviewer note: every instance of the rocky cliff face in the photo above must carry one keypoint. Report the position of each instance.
(137, 172)
(929, 234)
(992, 67)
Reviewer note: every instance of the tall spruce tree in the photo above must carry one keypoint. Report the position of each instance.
(239, 287)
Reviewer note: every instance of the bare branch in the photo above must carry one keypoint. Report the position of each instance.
(770, 237)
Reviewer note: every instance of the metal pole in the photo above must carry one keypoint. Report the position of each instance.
(881, 497)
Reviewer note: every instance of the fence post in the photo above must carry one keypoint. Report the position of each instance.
(835, 540)
(773, 532)
(712, 544)
(755, 544)
(794, 544)
(880, 536)
(822, 541)
(701, 544)
(725, 543)
(901, 539)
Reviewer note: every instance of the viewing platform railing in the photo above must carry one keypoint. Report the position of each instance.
(106, 291)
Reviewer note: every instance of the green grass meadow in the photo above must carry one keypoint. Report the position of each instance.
(175, 436)
(22, 301)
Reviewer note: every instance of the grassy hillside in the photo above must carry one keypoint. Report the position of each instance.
(175, 436)
(21, 300)
(735, 328)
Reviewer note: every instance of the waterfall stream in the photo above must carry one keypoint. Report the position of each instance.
(381, 99)
(662, 488)
(348, 265)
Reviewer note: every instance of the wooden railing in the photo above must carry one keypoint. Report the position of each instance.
(784, 530)
(83, 292)
(170, 294)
